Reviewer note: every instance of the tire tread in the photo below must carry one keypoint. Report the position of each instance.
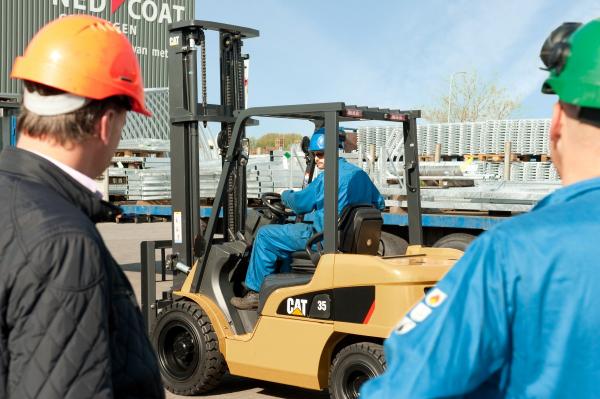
(376, 350)
(215, 366)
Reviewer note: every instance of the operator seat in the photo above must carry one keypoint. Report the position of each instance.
(359, 231)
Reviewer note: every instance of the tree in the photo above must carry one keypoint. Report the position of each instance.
(275, 140)
(472, 100)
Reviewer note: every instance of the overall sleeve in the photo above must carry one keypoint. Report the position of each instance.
(379, 201)
(66, 324)
(454, 339)
(304, 201)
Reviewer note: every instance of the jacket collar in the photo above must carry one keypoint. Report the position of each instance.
(569, 192)
(34, 168)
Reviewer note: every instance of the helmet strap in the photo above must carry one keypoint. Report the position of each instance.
(57, 104)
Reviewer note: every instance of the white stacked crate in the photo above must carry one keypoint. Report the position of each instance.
(477, 132)
(433, 138)
(512, 136)
(464, 142)
(148, 185)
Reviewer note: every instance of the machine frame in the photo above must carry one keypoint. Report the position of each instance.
(255, 343)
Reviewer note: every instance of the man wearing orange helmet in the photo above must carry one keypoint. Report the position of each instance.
(69, 323)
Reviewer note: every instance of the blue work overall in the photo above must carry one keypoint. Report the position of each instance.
(517, 317)
(278, 241)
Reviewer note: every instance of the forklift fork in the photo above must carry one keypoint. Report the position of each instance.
(150, 305)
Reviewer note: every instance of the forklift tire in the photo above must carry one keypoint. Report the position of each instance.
(188, 349)
(352, 366)
(390, 245)
(458, 241)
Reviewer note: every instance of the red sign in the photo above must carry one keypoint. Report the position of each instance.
(115, 4)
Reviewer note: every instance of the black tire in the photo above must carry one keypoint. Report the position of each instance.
(458, 241)
(390, 244)
(352, 366)
(188, 349)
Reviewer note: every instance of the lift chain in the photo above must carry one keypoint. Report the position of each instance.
(203, 68)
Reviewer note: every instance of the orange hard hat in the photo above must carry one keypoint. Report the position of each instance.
(86, 56)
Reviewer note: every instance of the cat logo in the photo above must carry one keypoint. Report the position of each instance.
(296, 307)
(174, 41)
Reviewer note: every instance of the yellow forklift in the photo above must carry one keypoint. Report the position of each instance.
(322, 325)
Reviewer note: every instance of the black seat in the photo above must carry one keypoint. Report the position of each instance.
(359, 233)
(360, 230)
(302, 263)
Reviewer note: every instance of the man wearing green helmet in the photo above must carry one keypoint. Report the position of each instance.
(518, 315)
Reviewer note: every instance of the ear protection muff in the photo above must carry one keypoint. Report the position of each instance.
(556, 49)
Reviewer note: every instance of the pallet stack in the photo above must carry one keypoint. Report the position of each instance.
(140, 171)
(480, 143)
(272, 172)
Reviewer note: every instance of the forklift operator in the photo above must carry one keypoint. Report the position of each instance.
(518, 316)
(278, 241)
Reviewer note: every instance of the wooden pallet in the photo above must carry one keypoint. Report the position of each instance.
(491, 157)
(153, 202)
(513, 157)
(443, 158)
(488, 157)
(140, 153)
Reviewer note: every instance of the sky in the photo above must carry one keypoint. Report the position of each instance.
(397, 54)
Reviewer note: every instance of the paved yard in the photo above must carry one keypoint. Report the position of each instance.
(123, 240)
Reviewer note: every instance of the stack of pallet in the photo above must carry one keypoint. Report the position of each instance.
(480, 143)
(141, 175)
(140, 171)
(273, 172)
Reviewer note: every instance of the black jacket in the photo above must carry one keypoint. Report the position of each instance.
(70, 326)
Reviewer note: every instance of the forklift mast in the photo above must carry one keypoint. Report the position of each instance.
(186, 112)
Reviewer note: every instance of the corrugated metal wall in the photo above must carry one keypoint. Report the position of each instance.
(20, 19)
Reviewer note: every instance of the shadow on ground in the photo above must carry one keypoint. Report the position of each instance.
(136, 267)
(233, 384)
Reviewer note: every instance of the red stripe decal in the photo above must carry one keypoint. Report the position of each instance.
(115, 4)
(369, 314)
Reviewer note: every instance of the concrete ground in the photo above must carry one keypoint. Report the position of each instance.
(123, 240)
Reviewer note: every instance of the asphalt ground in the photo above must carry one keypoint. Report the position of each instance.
(123, 240)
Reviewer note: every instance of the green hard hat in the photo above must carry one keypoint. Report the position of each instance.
(572, 55)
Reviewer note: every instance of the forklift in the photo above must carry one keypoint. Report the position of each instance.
(319, 327)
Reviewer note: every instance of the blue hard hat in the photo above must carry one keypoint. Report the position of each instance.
(317, 141)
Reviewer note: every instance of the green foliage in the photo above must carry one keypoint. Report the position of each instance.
(273, 140)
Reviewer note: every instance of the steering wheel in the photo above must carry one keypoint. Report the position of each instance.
(275, 205)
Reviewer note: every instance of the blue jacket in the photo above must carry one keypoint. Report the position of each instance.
(518, 316)
(355, 187)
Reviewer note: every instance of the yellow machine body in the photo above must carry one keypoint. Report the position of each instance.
(290, 346)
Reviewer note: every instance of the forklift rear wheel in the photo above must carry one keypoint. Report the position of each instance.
(188, 349)
(353, 366)
(458, 241)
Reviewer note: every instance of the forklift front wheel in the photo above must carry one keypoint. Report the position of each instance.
(187, 349)
(353, 366)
